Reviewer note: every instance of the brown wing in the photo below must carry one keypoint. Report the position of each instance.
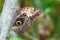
(29, 15)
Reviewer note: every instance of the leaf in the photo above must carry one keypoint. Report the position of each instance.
(15, 38)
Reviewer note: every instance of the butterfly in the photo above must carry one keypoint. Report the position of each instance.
(24, 17)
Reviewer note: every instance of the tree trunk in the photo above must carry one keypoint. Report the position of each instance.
(6, 17)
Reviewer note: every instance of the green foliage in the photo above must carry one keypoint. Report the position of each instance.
(15, 38)
(1, 5)
(47, 10)
(50, 7)
(37, 4)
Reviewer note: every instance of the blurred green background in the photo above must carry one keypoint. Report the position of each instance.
(1, 5)
(50, 8)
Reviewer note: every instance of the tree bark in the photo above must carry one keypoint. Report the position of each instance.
(8, 12)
